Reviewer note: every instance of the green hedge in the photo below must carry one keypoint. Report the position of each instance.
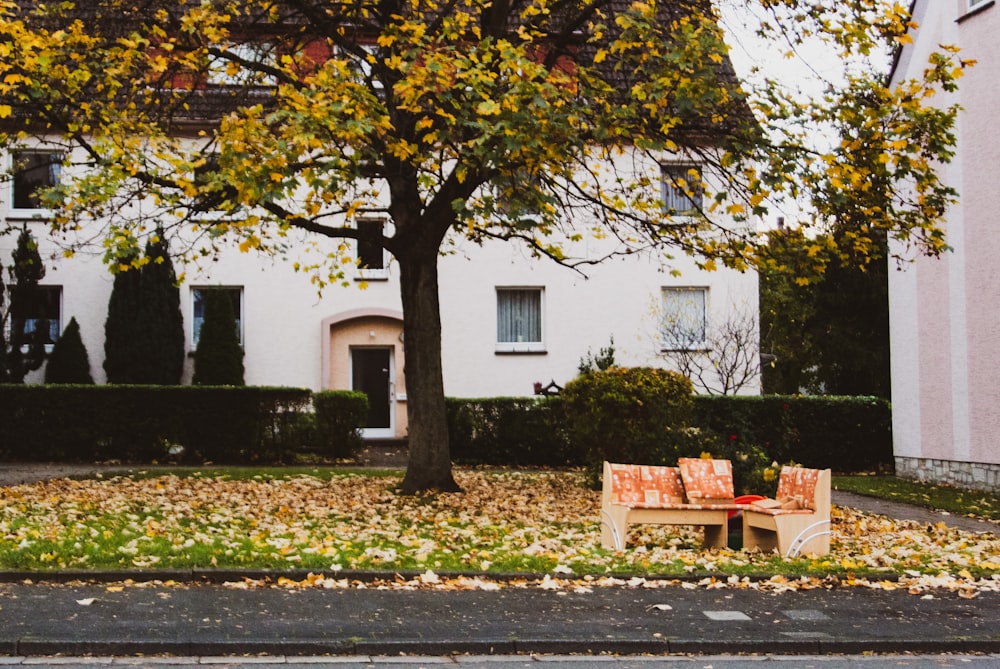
(339, 414)
(846, 434)
(510, 431)
(139, 423)
(842, 433)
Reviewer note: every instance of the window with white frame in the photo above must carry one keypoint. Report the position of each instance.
(684, 318)
(973, 4)
(33, 171)
(370, 254)
(41, 308)
(519, 320)
(682, 188)
(235, 294)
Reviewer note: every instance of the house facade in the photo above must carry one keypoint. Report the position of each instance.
(944, 315)
(509, 320)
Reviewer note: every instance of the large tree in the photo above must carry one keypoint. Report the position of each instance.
(536, 121)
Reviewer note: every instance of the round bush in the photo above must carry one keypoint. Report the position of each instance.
(629, 414)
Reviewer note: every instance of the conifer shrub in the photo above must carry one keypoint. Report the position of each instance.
(144, 330)
(161, 344)
(25, 351)
(68, 361)
(218, 359)
(122, 328)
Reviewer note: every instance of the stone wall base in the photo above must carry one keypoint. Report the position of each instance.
(971, 475)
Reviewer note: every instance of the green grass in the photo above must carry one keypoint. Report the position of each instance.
(954, 500)
(329, 519)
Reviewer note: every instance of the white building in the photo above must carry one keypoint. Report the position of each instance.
(509, 320)
(944, 315)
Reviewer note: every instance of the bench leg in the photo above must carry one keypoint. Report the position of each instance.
(614, 527)
(717, 536)
(756, 537)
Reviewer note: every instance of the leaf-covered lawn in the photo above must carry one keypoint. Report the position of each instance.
(533, 523)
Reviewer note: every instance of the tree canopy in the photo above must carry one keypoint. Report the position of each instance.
(274, 124)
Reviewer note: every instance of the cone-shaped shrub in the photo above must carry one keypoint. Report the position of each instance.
(160, 354)
(122, 329)
(218, 360)
(69, 362)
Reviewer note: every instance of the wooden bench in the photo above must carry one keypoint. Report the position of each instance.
(696, 492)
(792, 531)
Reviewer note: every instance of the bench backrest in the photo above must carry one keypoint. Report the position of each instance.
(707, 479)
(811, 486)
(642, 485)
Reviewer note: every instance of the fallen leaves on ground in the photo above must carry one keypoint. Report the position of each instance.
(504, 522)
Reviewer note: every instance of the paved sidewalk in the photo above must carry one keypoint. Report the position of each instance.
(213, 619)
(208, 620)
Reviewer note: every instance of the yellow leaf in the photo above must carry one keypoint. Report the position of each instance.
(488, 108)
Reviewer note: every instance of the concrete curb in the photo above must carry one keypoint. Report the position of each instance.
(498, 647)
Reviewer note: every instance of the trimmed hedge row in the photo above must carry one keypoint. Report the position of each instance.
(512, 431)
(222, 424)
(270, 425)
(843, 433)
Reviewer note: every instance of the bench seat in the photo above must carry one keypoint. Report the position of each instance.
(638, 494)
(793, 531)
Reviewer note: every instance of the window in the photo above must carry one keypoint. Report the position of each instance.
(684, 318)
(198, 310)
(682, 189)
(975, 3)
(34, 171)
(42, 308)
(519, 320)
(371, 255)
(229, 71)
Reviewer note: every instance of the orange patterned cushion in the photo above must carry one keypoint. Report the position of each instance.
(800, 483)
(706, 479)
(640, 486)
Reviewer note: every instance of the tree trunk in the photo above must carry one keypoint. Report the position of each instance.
(429, 466)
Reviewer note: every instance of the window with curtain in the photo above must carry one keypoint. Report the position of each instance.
(684, 318)
(682, 189)
(519, 319)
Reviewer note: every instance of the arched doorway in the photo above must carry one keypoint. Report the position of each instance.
(363, 351)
